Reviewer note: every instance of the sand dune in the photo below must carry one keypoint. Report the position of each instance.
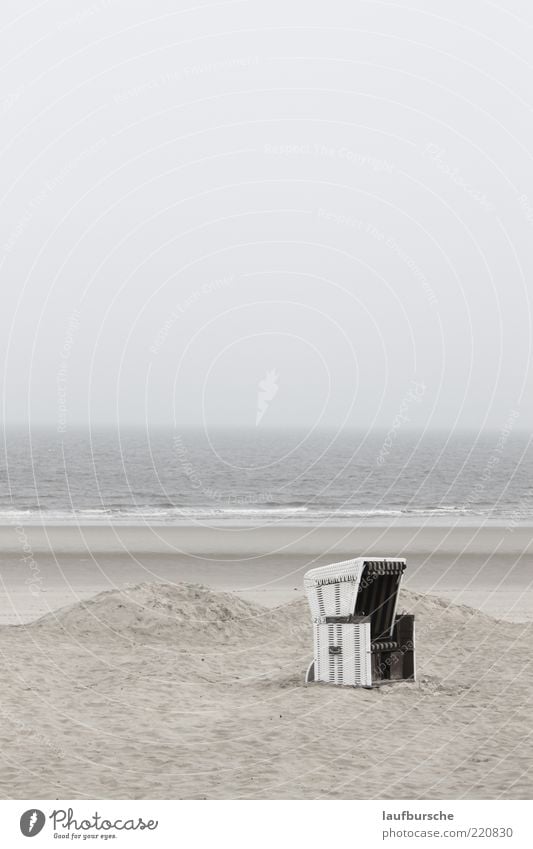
(177, 691)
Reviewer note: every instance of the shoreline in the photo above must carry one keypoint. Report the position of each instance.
(479, 537)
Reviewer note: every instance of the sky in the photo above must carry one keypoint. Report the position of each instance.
(318, 215)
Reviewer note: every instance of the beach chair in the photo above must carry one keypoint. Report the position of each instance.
(359, 641)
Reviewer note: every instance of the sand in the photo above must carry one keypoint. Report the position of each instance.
(174, 690)
(43, 568)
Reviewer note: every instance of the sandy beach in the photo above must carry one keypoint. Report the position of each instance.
(266, 306)
(169, 663)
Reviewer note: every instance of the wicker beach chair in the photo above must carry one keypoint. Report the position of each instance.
(358, 639)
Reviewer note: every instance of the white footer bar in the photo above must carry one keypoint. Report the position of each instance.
(258, 824)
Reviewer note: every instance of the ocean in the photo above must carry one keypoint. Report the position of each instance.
(258, 476)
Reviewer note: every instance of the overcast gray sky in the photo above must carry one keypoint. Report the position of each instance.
(340, 193)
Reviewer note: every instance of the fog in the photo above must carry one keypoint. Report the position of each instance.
(318, 215)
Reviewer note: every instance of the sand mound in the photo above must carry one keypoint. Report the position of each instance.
(175, 613)
(154, 612)
(176, 691)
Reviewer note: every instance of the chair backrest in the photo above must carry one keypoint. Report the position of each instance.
(357, 588)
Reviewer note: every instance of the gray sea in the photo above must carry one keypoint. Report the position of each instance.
(258, 476)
